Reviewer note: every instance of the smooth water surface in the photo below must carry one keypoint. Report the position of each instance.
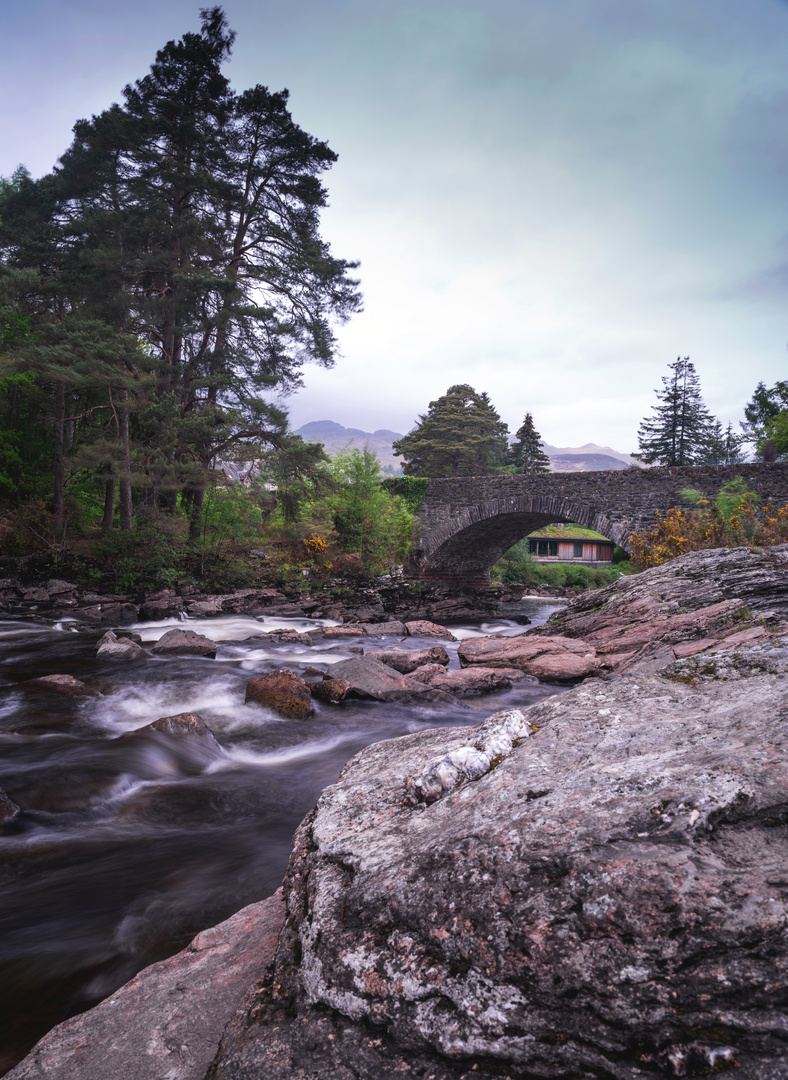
(127, 847)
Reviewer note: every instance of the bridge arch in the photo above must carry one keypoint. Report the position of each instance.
(465, 524)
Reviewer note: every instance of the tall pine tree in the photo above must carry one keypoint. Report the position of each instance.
(680, 430)
(461, 434)
(527, 454)
(187, 219)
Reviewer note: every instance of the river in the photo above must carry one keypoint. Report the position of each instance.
(125, 848)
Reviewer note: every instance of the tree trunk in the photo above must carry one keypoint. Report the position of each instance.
(125, 465)
(109, 505)
(58, 499)
(195, 517)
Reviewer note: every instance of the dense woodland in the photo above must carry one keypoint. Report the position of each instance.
(160, 293)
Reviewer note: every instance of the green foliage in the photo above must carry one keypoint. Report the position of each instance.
(766, 424)
(679, 431)
(460, 435)
(368, 520)
(527, 454)
(518, 565)
(411, 489)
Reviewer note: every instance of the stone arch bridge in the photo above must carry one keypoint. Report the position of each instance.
(465, 524)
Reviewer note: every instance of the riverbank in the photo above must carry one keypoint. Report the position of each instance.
(344, 600)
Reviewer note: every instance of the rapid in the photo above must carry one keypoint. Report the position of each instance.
(127, 847)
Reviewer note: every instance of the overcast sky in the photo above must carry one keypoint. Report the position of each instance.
(550, 199)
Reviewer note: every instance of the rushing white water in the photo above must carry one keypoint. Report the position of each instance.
(127, 844)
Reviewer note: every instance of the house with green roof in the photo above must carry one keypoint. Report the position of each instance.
(570, 544)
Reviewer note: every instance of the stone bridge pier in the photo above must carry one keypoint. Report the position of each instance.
(465, 524)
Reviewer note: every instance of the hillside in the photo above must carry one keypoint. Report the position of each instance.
(587, 458)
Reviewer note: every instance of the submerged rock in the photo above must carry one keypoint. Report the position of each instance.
(284, 692)
(332, 691)
(61, 684)
(8, 808)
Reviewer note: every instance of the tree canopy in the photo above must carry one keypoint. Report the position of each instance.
(680, 430)
(766, 424)
(527, 454)
(461, 434)
(173, 271)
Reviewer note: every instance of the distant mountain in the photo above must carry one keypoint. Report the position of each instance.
(588, 458)
(335, 437)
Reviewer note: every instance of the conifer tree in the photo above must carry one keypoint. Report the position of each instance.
(527, 454)
(680, 430)
(461, 434)
(187, 219)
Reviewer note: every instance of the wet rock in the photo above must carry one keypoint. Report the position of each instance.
(284, 692)
(177, 642)
(289, 637)
(35, 596)
(168, 1020)
(393, 628)
(162, 606)
(425, 628)
(181, 725)
(551, 658)
(594, 887)
(61, 684)
(55, 587)
(369, 678)
(314, 672)
(8, 808)
(351, 630)
(407, 660)
(471, 680)
(204, 607)
(112, 614)
(112, 646)
(332, 691)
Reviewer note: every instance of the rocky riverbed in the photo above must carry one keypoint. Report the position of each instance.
(590, 886)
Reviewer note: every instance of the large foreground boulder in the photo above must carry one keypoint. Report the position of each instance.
(594, 886)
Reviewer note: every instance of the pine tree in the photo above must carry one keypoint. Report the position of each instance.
(187, 218)
(680, 430)
(527, 454)
(460, 435)
(766, 425)
(724, 446)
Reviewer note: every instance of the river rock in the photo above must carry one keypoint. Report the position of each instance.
(552, 658)
(425, 628)
(162, 606)
(168, 1020)
(112, 614)
(177, 642)
(349, 630)
(55, 587)
(205, 607)
(289, 637)
(284, 692)
(369, 678)
(692, 604)
(407, 660)
(470, 680)
(8, 808)
(393, 628)
(61, 684)
(591, 887)
(332, 691)
(116, 647)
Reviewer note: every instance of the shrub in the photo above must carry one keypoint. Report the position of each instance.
(732, 520)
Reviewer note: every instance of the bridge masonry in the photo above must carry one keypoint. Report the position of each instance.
(465, 524)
